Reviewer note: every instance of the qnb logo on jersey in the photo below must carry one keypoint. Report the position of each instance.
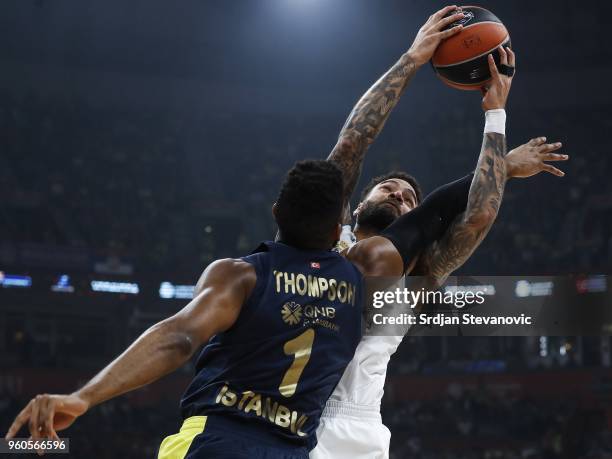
(321, 316)
(315, 287)
(291, 313)
(315, 265)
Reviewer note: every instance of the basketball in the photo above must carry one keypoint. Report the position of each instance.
(461, 60)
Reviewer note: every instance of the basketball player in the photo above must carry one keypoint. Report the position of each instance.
(351, 426)
(270, 362)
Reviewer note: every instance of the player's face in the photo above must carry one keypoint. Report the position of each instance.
(387, 201)
(396, 194)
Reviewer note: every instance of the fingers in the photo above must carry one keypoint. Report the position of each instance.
(54, 435)
(19, 421)
(449, 20)
(449, 33)
(46, 416)
(537, 141)
(34, 423)
(553, 170)
(443, 12)
(40, 424)
(554, 157)
(511, 57)
(493, 67)
(550, 147)
(503, 56)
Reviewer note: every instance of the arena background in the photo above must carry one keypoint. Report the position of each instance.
(141, 140)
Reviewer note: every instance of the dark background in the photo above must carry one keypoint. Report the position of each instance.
(141, 140)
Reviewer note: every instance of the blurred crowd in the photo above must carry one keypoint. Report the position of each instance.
(482, 424)
(171, 191)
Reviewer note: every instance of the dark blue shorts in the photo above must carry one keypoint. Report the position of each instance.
(222, 437)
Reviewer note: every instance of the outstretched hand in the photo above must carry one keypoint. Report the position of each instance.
(431, 34)
(530, 159)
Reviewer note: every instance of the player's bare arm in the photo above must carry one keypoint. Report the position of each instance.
(524, 161)
(470, 228)
(486, 191)
(371, 111)
(163, 348)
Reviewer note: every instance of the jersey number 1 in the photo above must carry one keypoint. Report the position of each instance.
(300, 347)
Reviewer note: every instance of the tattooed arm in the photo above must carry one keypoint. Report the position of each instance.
(524, 161)
(469, 229)
(486, 192)
(366, 121)
(369, 115)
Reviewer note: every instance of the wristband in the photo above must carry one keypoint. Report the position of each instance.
(495, 121)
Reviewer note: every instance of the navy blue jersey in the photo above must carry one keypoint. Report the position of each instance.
(279, 363)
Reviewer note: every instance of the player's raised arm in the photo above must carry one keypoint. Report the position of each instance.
(486, 192)
(371, 111)
(414, 231)
(526, 160)
(166, 346)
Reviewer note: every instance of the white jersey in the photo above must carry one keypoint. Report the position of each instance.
(351, 425)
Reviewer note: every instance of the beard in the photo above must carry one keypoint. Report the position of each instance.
(376, 216)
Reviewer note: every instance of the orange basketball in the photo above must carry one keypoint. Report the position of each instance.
(461, 60)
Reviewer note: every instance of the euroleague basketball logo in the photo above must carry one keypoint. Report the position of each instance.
(291, 313)
(461, 61)
(467, 17)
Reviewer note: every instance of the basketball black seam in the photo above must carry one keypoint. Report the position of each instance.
(472, 58)
(483, 22)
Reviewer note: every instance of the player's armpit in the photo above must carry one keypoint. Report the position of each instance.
(376, 256)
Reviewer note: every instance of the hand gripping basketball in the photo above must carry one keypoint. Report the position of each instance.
(496, 91)
(433, 32)
(460, 61)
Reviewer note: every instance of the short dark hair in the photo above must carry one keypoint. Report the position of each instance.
(394, 175)
(309, 204)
